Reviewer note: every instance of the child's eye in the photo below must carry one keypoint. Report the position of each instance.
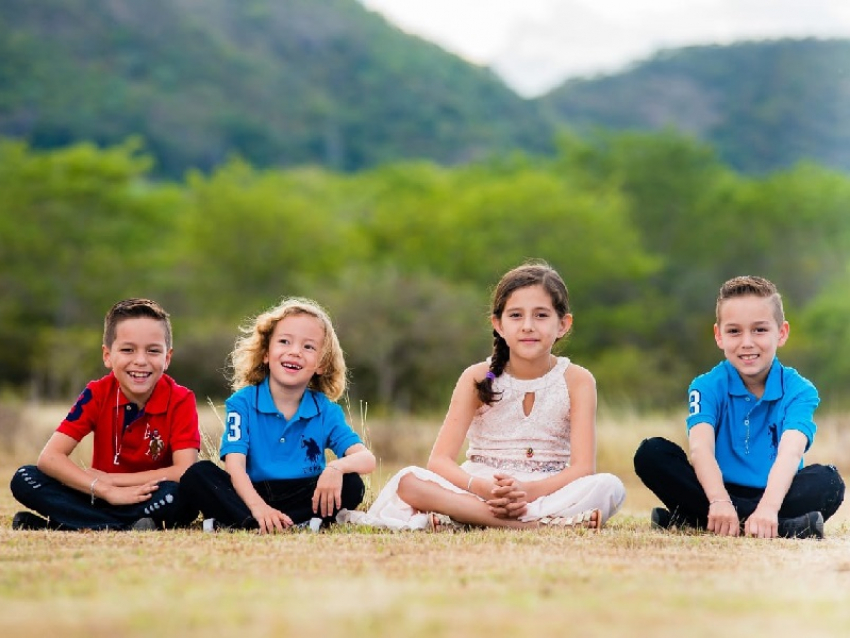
(309, 346)
(127, 350)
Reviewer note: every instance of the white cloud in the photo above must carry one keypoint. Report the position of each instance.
(536, 44)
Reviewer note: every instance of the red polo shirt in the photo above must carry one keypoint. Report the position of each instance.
(168, 422)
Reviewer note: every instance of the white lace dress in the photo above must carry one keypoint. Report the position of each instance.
(502, 438)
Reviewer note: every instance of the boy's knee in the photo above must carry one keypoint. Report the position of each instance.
(648, 451)
(24, 480)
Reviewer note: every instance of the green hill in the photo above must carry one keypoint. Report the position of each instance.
(763, 105)
(280, 82)
(293, 82)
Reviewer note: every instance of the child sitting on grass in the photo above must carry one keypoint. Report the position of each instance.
(145, 436)
(530, 418)
(288, 371)
(750, 422)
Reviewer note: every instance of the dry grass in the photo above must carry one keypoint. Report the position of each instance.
(624, 581)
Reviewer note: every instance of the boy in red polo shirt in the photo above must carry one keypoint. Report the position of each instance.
(145, 436)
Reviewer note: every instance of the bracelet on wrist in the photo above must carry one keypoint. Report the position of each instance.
(720, 500)
(469, 484)
(91, 489)
(330, 466)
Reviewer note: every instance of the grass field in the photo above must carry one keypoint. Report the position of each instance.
(625, 581)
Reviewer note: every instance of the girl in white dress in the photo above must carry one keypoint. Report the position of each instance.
(530, 419)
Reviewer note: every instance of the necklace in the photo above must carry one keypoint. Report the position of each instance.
(116, 426)
(120, 425)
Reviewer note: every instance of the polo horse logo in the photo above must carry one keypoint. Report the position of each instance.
(314, 453)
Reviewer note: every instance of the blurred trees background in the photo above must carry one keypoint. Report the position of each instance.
(218, 160)
(644, 227)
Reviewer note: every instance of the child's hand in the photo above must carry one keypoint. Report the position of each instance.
(763, 523)
(269, 519)
(127, 495)
(510, 498)
(723, 519)
(328, 495)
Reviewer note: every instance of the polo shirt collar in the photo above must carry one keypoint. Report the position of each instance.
(772, 386)
(308, 407)
(158, 401)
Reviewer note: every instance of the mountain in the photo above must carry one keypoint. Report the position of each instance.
(762, 105)
(327, 82)
(280, 82)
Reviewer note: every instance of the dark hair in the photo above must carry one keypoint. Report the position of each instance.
(751, 285)
(130, 309)
(532, 273)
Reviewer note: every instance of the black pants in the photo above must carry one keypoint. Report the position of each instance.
(209, 488)
(664, 468)
(69, 509)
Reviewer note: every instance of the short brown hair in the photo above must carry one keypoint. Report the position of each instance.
(751, 285)
(130, 309)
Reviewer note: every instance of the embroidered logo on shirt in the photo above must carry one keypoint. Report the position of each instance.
(313, 452)
(155, 444)
(774, 439)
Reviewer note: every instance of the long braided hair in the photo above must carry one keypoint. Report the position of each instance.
(532, 273)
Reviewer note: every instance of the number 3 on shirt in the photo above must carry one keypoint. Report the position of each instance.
(234, 426)
(693, 402)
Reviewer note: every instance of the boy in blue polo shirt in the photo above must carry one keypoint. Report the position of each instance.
(288, 369)
(750, 421)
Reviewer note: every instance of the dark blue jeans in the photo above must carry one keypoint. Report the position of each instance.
(67, 509)
(209, 488)
(665, 469)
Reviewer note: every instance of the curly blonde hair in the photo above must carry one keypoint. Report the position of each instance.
(253, 345)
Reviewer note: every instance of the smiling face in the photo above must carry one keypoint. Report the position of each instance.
(295, 352)
(749, 335)
(530, 325)
(138, 356)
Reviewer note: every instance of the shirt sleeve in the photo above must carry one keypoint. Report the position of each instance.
(185, 433)
(800, 412)
(82, 417)
(702, 403)
(340, 435)
(236, 435)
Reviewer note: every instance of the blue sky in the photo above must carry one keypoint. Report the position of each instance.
(536, 44)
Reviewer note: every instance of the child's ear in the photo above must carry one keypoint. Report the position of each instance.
(784, 332)
(107, 357)
(566, 324)
(718, 338)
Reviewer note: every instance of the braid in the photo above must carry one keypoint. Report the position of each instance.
(501, 355)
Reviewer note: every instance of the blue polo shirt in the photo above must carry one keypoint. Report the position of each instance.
(747, 430)
(277, 448)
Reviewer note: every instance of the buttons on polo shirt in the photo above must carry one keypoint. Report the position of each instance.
(283, 439)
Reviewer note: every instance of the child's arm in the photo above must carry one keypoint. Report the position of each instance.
(181, 460)
(55, 461)
(328, 494)
(268, 518)
(764, 521)
(722, 516)
(443, 459)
